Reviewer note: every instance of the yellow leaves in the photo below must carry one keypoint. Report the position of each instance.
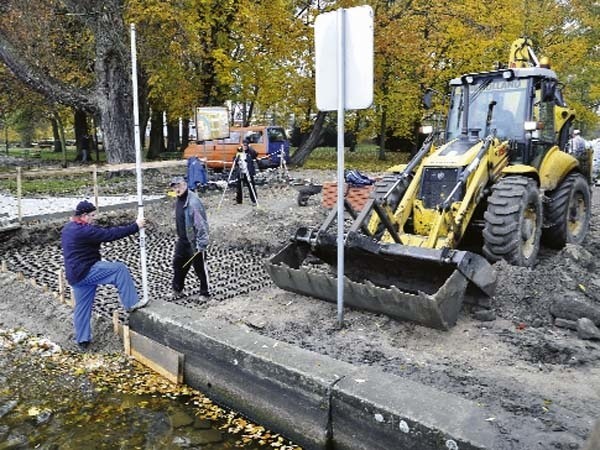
(33, 411)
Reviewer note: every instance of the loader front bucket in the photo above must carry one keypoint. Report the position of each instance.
(420, 285)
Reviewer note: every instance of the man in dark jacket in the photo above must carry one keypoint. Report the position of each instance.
(244, 164)
(192, 238)
(85, 269)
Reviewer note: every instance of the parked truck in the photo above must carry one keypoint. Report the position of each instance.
(270, 142)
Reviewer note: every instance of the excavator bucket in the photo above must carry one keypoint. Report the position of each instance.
(422, 285)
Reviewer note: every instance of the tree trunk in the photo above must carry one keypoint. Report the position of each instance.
(301, 155)
(94, 144)
(144, 106)
(81, 129)
(55, 135)
(248, 120)
(248, 117)
(172, 136)
(157, 141)
(61, 137)
(382, 127)
(113, 87)
(355, 130)
(185, 134)
(5, 135)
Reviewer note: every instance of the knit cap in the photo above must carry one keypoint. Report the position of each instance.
(84, 207)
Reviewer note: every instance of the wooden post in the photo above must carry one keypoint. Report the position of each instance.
(116, 323)
(3, 267)
(95, 179)
(126, 340)
(19, 210)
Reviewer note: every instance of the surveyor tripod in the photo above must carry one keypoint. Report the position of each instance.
(242, 165)
(282, 170)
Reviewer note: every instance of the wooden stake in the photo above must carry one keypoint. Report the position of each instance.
(126, 340)
(117, 327)
(61, 285)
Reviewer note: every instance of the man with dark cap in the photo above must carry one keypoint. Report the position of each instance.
(85, 269)
(244, 165)
(577, 145)
(192, 238)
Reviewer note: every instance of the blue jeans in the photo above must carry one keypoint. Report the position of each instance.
(103, 272)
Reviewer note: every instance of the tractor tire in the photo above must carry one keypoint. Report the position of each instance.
(513, 222)
(568, 212)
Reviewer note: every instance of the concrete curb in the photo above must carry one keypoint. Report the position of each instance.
(372, 410)
(317, 401)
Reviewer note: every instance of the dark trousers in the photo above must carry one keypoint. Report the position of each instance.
(183, 253)
(251, 188)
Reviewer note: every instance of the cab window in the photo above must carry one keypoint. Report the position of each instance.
(276, 134)
(234, 138)
(255, 137)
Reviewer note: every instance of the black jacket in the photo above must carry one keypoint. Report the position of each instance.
(249, 156)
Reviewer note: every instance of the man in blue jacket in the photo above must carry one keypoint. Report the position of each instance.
(85, 269)
(192, 238)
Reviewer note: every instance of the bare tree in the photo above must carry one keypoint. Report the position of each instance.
(109, 98)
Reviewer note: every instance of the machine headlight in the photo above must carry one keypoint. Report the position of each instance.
(530, 126)
(426, 129)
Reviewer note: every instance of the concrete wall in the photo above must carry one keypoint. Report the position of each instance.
(314, 400)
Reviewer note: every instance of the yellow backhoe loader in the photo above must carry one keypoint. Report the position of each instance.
(502, 172)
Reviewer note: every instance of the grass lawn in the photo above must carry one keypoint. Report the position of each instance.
(364, 158)
(47, 154)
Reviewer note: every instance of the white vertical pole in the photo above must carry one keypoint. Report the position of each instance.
(138, 163)
(340, 165)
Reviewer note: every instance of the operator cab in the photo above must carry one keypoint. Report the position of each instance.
(501, 103)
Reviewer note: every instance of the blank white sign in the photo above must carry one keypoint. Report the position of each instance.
(357, 54)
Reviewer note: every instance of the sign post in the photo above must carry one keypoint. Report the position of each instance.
(346, 37)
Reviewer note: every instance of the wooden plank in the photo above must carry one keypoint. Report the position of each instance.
(43, 173)
(160, 358)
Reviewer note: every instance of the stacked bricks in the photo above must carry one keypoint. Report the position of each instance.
(357, 196)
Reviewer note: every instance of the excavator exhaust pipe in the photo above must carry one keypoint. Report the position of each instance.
(415, 284)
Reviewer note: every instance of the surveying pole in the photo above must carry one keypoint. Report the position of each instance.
(138, 164)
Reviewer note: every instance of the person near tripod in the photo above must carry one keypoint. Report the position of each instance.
(244, 165)
(192, 238)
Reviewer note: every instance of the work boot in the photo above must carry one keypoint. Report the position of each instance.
(84, 346)
(201, 298)
(175, 295)
(138, 305)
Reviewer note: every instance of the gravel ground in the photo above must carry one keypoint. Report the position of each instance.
(539, 383)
